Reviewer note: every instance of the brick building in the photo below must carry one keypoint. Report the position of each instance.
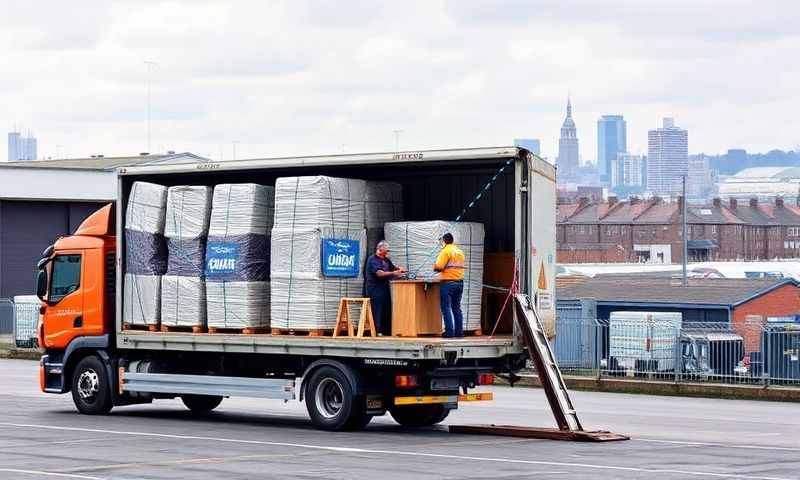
(743, 303)
(651, 231)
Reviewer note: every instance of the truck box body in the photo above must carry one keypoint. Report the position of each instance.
(517, 211)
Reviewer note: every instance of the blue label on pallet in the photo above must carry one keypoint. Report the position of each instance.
(221, 258)
(340, 257)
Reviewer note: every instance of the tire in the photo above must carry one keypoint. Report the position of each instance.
(91, 391)
(414, 416)
(201, 404)
(331, 402)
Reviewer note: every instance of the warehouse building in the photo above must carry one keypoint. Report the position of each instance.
(743, 304)
(41, 200)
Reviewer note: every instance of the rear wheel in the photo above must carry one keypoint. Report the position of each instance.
(201, 404)
(331, 402)
(91, 391)
(419, 415)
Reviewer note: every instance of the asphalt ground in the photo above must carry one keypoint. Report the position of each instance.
(42, 436)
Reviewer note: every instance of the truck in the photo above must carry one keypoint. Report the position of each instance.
(344, 381)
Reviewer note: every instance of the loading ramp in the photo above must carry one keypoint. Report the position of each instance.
(541, 354)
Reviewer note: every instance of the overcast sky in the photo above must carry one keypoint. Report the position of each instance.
(330, 76)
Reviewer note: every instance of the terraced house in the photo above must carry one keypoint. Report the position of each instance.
(650, 231)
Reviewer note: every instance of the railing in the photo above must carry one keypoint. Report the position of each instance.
(749, 352)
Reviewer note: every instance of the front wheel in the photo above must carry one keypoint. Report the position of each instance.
(331, 402)
(419, 415)
(91, 391)
(201, 404)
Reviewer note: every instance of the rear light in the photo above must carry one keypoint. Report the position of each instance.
(485, 379)
(406, 381)
(41, 377)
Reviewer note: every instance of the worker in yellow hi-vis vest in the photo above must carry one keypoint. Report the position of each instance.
(450, 265)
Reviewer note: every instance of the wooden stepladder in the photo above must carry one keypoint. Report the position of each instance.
(365, 321)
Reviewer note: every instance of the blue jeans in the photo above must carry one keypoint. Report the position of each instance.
(450, 295)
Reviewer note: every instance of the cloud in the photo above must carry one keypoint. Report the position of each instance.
(308, 77)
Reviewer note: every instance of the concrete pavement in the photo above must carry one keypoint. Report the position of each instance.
(41, 436)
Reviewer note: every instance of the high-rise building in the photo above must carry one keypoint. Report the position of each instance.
(627, 170)
(531, 144)
(667, 158)
(568, 157)
(21, 148)
(611, 140)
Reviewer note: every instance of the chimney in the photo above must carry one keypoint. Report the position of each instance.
(612, 200)
(754, 202)
(779, 202)
(717, 203)
(733, 203)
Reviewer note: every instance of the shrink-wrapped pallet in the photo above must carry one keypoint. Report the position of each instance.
(237, 256)
(183, 293)
(302, 296)
(317, 219)
(383, 203)
(417, 244)
(145, 254)
(319, 201)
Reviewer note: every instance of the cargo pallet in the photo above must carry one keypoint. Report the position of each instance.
(146, 328)
(243, 331)
(183, 328)
(312, 332)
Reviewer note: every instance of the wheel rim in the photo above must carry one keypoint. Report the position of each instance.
(88, 385)
(329, 397)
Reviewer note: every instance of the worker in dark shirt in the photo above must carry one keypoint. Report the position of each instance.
(379, 271)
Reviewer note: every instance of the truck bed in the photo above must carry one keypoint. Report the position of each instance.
(419, 348)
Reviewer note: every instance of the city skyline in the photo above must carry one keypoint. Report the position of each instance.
(253, 73)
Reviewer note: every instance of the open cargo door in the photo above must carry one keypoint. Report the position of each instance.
(538, 348)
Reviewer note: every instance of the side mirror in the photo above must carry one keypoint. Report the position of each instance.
(41, 284)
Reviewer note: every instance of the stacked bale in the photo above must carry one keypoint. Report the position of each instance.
(183, 293)
(417, 244)
(308, 210)
(237, 256)
(383, 203)
(145, 254)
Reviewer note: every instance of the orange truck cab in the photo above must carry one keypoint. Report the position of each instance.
(76, 283)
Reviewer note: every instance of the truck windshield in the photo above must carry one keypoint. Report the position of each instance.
(66, 276)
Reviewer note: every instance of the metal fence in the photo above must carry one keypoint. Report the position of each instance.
(754, 353)
(26, 319)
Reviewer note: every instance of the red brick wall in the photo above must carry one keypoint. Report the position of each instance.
(782, 301)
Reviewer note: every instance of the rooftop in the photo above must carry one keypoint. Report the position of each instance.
(651, 290)
(105, 163)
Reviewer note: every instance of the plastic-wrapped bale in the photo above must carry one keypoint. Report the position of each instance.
(302, 297)
(237, 256)
(308, 304)
(383, 203)
(319, 201)
(183, 293)
(145, 254)
(415, 245)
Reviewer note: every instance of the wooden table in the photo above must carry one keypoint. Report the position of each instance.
(415, 308)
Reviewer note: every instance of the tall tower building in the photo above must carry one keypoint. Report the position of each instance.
(21, 148)
(667, 158)
(611, 141)
(568, 158)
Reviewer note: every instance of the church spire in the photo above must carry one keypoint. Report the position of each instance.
(569, 107)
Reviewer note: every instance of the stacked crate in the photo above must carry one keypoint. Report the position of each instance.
(145, 255)
(383, 203)
(237, 257)
(309, 210)
(416, 246)
(183, 292)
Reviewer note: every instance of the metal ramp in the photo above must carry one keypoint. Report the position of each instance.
(569, 426)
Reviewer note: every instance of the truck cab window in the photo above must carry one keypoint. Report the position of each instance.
(66, 276)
